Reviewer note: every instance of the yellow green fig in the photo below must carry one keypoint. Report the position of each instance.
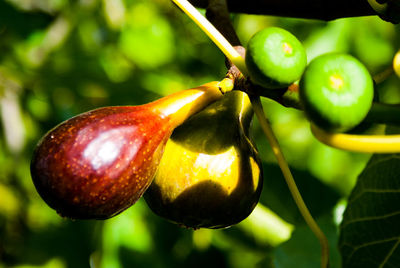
(210, 175)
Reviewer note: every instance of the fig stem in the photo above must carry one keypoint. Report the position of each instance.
(225, 85)
(382, 144)
(182, 104)
(209, 29)
(312, 224)
(383, 75)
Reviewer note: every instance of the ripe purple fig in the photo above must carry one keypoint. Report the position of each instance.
(99, 163)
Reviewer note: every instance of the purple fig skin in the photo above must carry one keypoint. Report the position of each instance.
(99, 163)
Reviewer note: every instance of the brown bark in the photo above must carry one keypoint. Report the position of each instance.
(310, 9)
(217, 13)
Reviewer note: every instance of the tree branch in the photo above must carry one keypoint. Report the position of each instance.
(310, 9)
(217, 13)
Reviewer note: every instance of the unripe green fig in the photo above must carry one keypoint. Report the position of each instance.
(336, 92)
(210, 175)
(97, 164)
(275, 58)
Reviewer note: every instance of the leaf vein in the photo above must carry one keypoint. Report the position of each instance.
(377, 191)
(390, 253)
(355, 248)
(380, 160)
(370, 218)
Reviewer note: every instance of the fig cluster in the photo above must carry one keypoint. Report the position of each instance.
(99, 163)
(190, 153)
(335, 90)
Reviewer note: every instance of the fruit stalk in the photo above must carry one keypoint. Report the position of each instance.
(181, 105)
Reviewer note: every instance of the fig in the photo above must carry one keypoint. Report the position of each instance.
(336, 92)
(97, 164)
(210, 175)
(275, 58)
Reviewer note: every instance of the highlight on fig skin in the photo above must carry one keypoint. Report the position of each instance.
(210, 175)
(97, 164)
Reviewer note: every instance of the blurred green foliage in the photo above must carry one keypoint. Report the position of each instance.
(59, 58)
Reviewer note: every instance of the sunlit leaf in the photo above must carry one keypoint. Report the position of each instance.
(52, 263)
(266, 227)
(371, 35)
(9, 204)
(117, 67)
(332, 38)
(148, 39)
(126, 231)
(114, 11)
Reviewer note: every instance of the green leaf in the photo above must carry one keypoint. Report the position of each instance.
(370, 231)
(148, 39)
